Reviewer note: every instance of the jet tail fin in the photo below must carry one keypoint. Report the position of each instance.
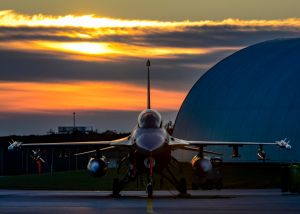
(148, 87)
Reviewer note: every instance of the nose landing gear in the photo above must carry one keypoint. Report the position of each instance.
(149, 188)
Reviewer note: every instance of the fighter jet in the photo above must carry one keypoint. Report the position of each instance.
(148, 150)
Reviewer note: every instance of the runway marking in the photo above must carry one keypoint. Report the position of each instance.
(150, 205)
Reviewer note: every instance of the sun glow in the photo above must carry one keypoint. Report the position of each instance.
(90, 48)
(95, 51)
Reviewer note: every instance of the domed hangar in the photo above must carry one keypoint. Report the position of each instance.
(252, 95)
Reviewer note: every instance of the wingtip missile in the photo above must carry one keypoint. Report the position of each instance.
(14, 144)
(284, 144)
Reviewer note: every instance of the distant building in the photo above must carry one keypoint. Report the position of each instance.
(252, 95)
(72, 129)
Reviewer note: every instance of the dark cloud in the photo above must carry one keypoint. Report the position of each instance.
(197, 36)
(34, 33)
(225, 36)
(17, 66)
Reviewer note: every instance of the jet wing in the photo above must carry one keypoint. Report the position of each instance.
(177, 143)
(122, 142)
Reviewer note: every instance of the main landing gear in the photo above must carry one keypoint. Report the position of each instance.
(180, 184)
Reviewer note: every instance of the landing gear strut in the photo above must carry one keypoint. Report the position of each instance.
(149, 188)
(130, 175)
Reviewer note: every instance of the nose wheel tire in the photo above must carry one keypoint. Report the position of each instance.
(150, 190)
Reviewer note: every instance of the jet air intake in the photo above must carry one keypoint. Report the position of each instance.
(97, 167)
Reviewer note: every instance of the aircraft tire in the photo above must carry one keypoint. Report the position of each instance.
(150, 190)
(219, 184)
(116, 187)
(285, 179)
(182, 186)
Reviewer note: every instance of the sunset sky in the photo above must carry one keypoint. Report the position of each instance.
(89, 56)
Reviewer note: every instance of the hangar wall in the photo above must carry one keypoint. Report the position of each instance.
(252, 95)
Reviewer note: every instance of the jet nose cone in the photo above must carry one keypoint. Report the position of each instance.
(150, 142)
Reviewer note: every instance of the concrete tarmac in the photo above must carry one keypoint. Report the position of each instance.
(223, 201)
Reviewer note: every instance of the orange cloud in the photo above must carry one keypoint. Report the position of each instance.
(11, 18)
(71, 96)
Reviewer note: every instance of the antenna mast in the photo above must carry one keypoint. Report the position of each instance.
(148, 88)
(74, 120)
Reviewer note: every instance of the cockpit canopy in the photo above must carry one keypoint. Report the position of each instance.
(149, 119)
